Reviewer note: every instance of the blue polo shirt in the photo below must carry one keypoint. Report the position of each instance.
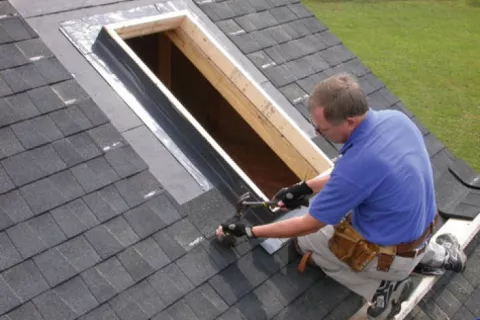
(384, 178)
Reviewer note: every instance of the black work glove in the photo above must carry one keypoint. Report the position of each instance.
(237, 230)
(294, 196)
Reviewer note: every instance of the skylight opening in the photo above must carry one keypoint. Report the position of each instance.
(220, 100)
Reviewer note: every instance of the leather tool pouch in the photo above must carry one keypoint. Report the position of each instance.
(350, 247)
(386, 255)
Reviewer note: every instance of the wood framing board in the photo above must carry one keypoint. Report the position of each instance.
(465, 231)
(144, 26)
(296, 150)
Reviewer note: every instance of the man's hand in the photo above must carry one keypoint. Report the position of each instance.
(293, 196)
(236, 229)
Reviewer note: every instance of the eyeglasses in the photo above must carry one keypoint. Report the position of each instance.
(320, 131)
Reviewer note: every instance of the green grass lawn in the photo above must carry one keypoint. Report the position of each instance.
(426, 52)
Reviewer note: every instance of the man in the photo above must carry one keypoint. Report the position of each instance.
(383, 179)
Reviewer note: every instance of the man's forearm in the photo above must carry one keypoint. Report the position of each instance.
(289, 228)
(317, 183)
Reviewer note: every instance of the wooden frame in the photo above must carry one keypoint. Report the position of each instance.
(272, 124)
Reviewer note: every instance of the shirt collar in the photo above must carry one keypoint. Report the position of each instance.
(365, 127)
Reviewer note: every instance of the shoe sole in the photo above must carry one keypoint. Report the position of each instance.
(397, 304)
(398, 297)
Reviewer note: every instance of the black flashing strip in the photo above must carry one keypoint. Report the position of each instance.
(465, 174)
(201, 154)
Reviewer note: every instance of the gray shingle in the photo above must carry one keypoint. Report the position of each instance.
(10, 56)
(296, 29)
(221, 255)
(76, 295)
(288, 283)
(125, 161)
(77, 148)
(36, 131)
(4, 88)
(94, 174)
(16, 28)
(103, 312)
(16, 108)
(106, 203)
(294, 93)
(463, 313)
(138, 302)
(256, 21)
(138, 188)
(261, 59)
(71, 120)
(25, 280)
(246, 43)
(26, 311)
(218, 11)
(8, 254)
(52, 307)
(152, 216)
(433, 144)
(74, 217)
(230, 27)
(305, 66)
(4, 38)
(231, 284)
(260, 5)
(52, 70)
(34, 49)
(207, 210)
(143, 259)
(107, 279)
(240, 7)
(282, 14)
(263, 38)
(45, 99)
(9, 144)
(170, 283)
(93, 112)
(447, 301)
(54, 266)
(47, 193)
(79, 253)
(23, 78)
(472, 302)
(197, 265)
(280, 33)
(107, 137)
(205, 302)
(32, 165)
(111, 237)
(300, 10)
(260, 303)
(179, 310)
(70, 91)
(6, 183)
(178, 239)
(8, 299)
(35, 235)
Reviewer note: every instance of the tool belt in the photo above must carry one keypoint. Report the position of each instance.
(349, 246)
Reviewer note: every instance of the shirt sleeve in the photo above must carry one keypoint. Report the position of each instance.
(335, 200)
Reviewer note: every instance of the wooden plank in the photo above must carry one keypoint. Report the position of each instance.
(214, 53)
(295, 149)
(465, 231)
(145, 26)
(280, 144)
(164, 68)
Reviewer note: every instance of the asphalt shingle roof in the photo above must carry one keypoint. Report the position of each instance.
(88, 232)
